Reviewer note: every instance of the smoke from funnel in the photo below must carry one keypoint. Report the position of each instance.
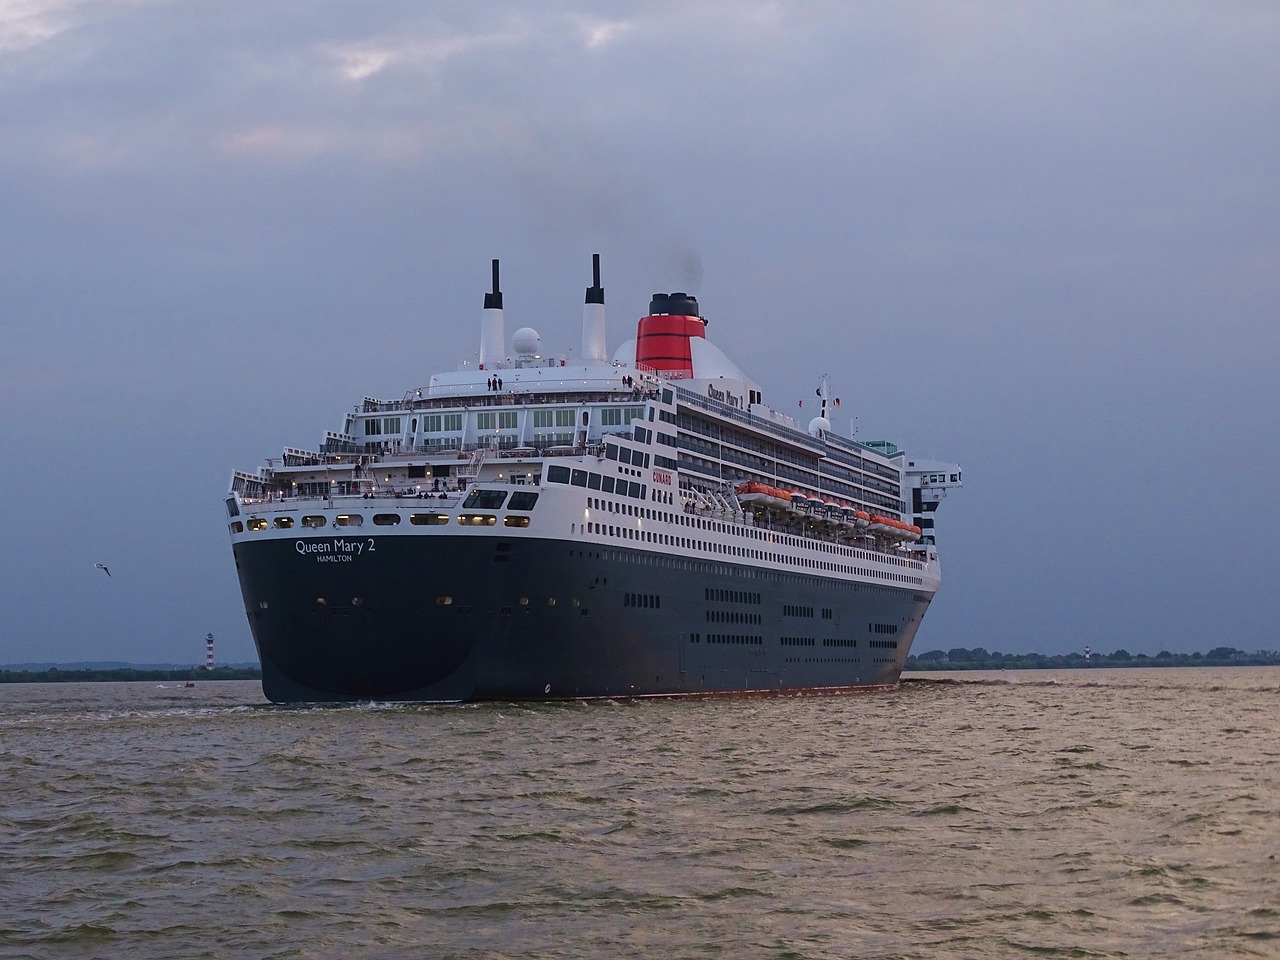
(688, 264)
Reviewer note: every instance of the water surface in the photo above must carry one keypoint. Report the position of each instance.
(1099, 813)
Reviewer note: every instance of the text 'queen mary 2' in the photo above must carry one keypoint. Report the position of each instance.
(640, 524)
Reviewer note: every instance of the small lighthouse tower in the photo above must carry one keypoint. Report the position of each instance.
(208, 652)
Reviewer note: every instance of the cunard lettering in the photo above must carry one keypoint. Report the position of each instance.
(661, 476)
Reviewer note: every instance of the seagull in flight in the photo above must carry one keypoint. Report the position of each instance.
(103, 568)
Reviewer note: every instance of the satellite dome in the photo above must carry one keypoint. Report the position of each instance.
(819, 425)
(525, 341)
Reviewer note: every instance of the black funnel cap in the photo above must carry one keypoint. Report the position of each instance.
(595, 292)
(677, 304)
(493, 301)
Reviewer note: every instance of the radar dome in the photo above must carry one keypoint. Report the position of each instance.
(525, 341)
(819, 425)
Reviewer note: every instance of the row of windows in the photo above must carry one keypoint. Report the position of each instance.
(757, 533)
(711, 568)
(550, 418)
(653, 601)
(596, 481)
(732, 596)
(649, 601)
(385, 520)
(524, 602)
(732, 616)
(724, 548)
(791, 610)
(493, 500)
(882, 628)
(779, 453)
(810, 641)
(637, 458)
(500, 419)
(740, 639)
(446, 422)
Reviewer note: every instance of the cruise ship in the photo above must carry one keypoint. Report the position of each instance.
(628, 524)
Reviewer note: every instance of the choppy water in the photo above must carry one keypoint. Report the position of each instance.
(1117, 813)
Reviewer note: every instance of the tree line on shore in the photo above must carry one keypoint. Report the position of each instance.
(960, 658)
(957, 658)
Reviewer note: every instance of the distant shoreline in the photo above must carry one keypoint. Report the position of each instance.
(126, 674)
(1220, 657)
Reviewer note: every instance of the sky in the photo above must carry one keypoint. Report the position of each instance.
(1040, 240)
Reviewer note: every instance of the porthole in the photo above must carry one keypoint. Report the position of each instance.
(443, 601)
(551, 601)
(262, 604)
(320, 602)
(357, 601)
(511, 521)
(524, 601)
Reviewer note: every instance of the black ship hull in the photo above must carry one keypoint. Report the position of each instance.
(456, 618)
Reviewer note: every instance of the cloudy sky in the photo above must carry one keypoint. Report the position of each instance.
(1042, 240)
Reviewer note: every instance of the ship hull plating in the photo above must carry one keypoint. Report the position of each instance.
(454, 618)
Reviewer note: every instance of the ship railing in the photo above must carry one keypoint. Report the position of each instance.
(467, 452)
(447, 496)
(507, 398)
(823, 535)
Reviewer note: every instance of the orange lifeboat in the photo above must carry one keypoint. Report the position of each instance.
(878, 524)
(781, 498)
